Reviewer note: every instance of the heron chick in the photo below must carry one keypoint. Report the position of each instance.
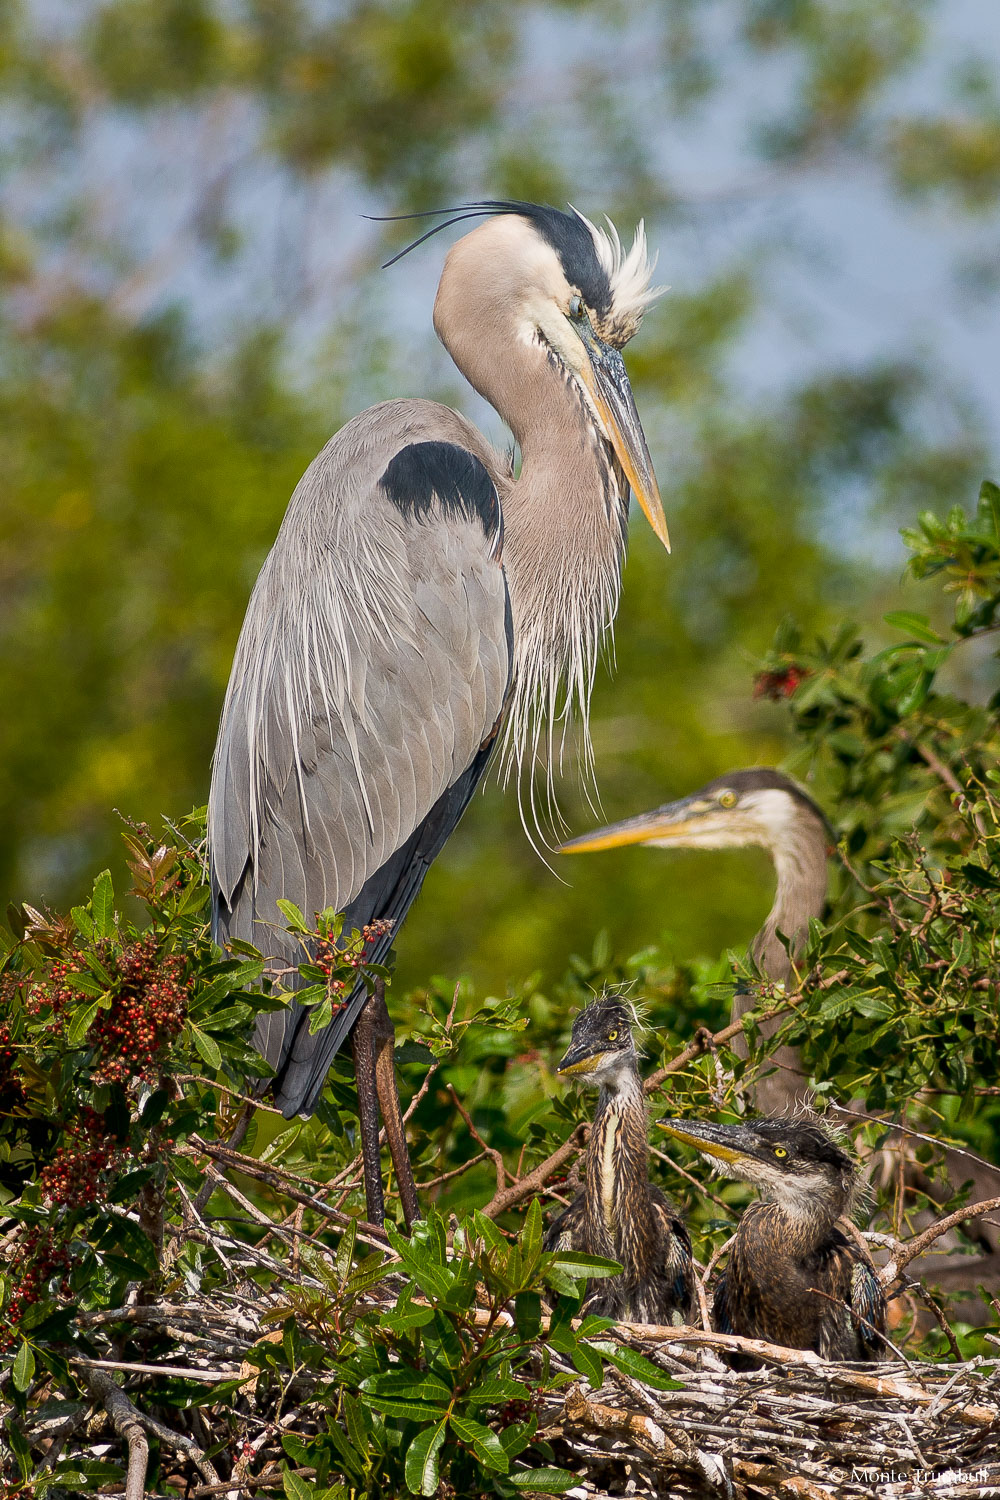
(620, 1214)
(757, 807)
(793, 1277)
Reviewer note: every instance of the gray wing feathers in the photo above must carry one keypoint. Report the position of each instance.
(374, 661)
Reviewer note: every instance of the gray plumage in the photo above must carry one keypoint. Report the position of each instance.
(417, 594)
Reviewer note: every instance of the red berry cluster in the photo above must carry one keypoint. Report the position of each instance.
(73, 1176)
(148, 1006)
(780, 684)
(521, 1411)
(331, 959)
(147, 1013)
(43, 1254)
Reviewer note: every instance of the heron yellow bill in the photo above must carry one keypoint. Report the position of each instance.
(607, 381)
(666, 823)
(706, 1138)
(582, 1064)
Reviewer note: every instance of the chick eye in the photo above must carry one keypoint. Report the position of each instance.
(780, 1151)
(575, 306)
(612, 1036)
(727, 799)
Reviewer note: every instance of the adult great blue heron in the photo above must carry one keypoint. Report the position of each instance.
(793, 1277)
(759, 807)
(417, 596)
(620, 1214)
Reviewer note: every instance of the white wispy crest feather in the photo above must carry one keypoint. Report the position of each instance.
(629, 272)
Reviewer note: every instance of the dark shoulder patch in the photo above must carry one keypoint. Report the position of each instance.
(421, 472)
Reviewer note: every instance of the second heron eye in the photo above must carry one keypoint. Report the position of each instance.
(780, 1151)
(727, 799)
(612, 1036)
(575, 306)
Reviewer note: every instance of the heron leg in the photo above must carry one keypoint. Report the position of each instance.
(388, 1098)
(363, 1041)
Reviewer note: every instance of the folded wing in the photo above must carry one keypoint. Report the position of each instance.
(369, 680)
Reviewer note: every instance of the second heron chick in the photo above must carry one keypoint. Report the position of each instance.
(794, 1278)
(620, 1214)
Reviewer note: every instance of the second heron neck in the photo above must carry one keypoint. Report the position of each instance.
(801, 871)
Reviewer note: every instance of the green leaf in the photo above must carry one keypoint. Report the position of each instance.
(297, 1488)
(373, 1268)
(637, 1366)
(345, 1250)
(915, 625)
(282, 1142)
(233, 979)
(292, 915)
(84, 921)
(393, 1407)
(206, 1047)
(531, 1237)
(228, 1018)
(421, 1468)
(414, 1385)
(321, 1016)
(580, 1266)
(543, 1481)
(484, 1443)
(22, 1452)
(24, 1366)
(152, 1111)
(80, 1024)
(560, 1282)
(358, 1422)
(528, 1314)
(402, 1319)
(495, 1390)
(588, 1363)
(103, 905)
(128, 1186)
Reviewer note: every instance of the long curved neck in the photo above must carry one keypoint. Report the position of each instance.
(801, 869)
(617, 1194)
(565, 520)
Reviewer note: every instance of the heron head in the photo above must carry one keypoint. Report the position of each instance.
(795, 1162)
(757, 806)
(566, 287)
(601, 1044)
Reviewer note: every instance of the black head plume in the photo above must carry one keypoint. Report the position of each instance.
(567, 233)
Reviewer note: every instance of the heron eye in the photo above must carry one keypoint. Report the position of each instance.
(727, 799)
(780, 1151)
(575, 306)
(612, 1036)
